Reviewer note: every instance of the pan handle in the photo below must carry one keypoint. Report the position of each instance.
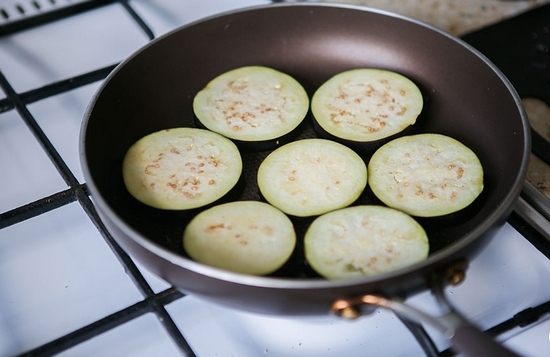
(468, 339)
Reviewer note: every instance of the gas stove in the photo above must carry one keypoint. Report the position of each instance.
(68, 289)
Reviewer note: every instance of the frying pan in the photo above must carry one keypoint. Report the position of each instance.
(465, 95)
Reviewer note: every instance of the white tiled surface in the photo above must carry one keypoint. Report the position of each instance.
(56, 275)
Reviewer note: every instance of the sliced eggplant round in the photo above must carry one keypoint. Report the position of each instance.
(363, 241)
(181, 168)
(311, 177)
(248, 237)
(366, 105)
(252, 104)
(426, 175)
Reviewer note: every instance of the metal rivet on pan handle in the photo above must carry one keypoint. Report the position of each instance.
(456, 272)
(352, 308)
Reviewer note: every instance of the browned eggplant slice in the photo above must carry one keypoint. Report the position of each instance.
(248, 237)
(362, 107)
(255, 106)
(181, 168)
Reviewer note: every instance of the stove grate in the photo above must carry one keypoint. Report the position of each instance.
(152, 302)
(24, 15)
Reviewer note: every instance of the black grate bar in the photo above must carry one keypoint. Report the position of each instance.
(168, 323)
(62, 12)
(54, 156)
(64, 85)
(59, 87)
(108, 323)
(89, 331)
(125, 260)
(41, 18)
(5, 105)
(530, 233)
(522, 319)
(65, 197)
(138, 19)
(138, 279)
(38, 207)
(421, 336)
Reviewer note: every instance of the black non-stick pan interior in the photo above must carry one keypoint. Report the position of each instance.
(464, 98)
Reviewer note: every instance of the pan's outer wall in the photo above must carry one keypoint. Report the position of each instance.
(154, 90)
